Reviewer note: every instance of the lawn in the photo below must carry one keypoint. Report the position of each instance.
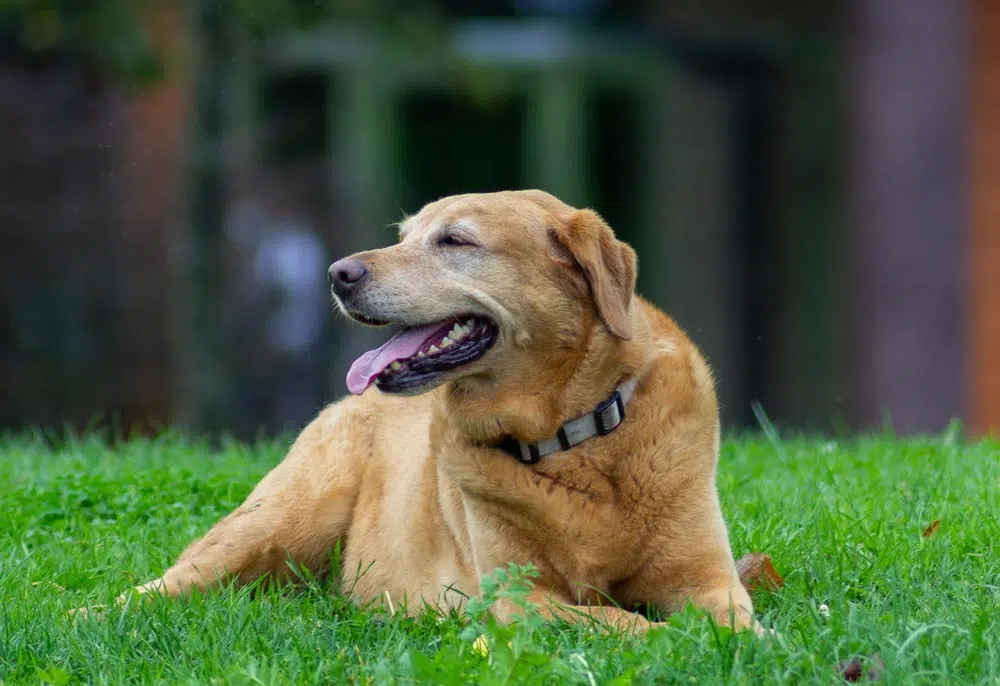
(844, 523)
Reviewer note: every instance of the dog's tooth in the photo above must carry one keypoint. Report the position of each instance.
(447, 342)
(421, 353)
(456, 331)
(395, 366)
(433, 350)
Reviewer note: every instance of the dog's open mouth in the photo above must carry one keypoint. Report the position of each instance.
(413, 357)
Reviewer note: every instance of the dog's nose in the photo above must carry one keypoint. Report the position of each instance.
(345, 274)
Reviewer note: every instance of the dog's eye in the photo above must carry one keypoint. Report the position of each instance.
(451, 241)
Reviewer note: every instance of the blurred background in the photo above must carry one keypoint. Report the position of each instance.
(813, 187)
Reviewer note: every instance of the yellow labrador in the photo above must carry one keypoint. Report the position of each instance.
(531, 408)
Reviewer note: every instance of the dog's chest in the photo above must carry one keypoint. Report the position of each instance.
(400, 547)
(563, 510)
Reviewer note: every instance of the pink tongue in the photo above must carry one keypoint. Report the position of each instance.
(404, 344)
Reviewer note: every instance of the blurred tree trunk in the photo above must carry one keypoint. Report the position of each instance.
(202, 403)
(908, 124)
(153, 173)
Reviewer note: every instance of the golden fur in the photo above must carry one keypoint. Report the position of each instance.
(423, 504)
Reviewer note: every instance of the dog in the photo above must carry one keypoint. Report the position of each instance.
(530, 409)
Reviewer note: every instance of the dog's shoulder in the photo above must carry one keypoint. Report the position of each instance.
(675, 367)
(673, 435)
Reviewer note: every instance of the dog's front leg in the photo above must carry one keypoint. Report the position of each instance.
(715, 588)
(295, 514)
(246, 544)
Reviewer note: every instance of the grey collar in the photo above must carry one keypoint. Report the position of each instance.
(604, 419)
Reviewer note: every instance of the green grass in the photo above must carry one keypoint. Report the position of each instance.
(842, 522)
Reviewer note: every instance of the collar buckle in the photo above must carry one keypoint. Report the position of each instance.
(609, 414)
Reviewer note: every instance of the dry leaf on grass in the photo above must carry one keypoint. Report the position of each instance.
(852, 670)
(757, 573)
(932, 529)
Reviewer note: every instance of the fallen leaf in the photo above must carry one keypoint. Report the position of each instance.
(852, 670)
(932, 529)
(758, 573)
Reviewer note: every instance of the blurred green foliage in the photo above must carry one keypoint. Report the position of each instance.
(113, 37)
(106, 36)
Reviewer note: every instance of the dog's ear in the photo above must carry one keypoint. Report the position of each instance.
(608, 264)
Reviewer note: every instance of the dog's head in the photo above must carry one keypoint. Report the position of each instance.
(476, 281)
